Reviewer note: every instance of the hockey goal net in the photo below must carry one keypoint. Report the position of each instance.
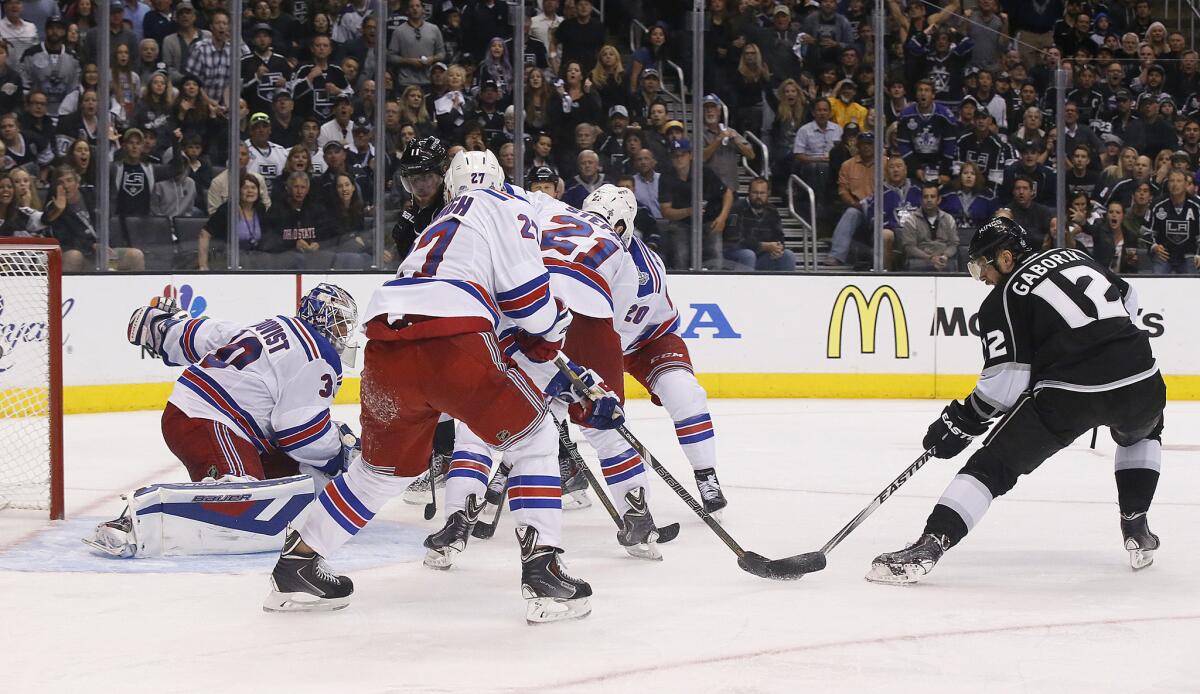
(31, 375)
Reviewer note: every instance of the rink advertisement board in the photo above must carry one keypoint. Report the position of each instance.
(838, 336)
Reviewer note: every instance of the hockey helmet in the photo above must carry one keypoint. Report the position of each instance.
(333, 312)
(421, 166)
(473, 171)
(998, 233)
(616, 205)
(552, 184)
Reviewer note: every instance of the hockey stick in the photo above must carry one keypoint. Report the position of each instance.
(496, 490)
(431, 507)
(787, 569)
(665, 533)
(815, 561)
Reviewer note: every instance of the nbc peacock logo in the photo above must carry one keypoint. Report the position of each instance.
(187, 297)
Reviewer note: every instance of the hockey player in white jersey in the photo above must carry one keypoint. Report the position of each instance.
(587, 263)
(432, 349)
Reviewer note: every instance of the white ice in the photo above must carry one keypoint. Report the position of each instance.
(1040, 597)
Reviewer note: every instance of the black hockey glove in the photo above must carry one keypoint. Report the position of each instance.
(953, 431)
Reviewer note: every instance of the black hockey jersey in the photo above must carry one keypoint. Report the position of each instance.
(1175, 228)
(989, 153)
(1060, 320)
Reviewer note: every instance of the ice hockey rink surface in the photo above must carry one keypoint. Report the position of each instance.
(1039, 598)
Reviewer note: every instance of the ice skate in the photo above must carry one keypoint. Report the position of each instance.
(710, 491)
(418, 490)
(302, 582)
(1140, 542)
(551, 595)
(639, 536)
(574, 481)
(911, 564)
(445, 544)
(115, 537)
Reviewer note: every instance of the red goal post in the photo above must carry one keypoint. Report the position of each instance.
(31, 346)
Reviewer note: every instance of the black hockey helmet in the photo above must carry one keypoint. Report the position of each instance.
(541, 174)
(421, 158)
(998, 233)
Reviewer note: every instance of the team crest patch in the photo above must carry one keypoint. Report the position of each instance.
(503, 435)
(912, 125)
(643, 278)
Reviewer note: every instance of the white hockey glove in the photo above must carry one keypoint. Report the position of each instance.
(147, 327)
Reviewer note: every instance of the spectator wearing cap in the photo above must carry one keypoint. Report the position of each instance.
(20, 33)
(611, 145)
(337, 161)
(754, 235)
(487, 111)
(361, 153)
(1150, 133)
(414, 47)
(48, 67)
(340, 127)
(133, 178)
(723, 146)
(1041, 178)
(158, 23)
(845, 106)
(675, 200)
(118, 34)
(1121, 113)
(1076, 133)
(777, 42)
(984, 148)
(264, 72)
(824, 34)
(580, 38)
(649, 89)
(209, 59)
(267, 158)
(1152, 80)
(589, 178)
(318, 82)
(176, 47)
(285, 125)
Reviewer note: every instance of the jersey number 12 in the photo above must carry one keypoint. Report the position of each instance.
(1088, 296)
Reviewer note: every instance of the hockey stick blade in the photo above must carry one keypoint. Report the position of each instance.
(668, 533)
(786, 569)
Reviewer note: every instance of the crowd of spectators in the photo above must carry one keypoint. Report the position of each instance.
(969, 103)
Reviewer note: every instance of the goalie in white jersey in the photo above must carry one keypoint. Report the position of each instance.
(432, 349)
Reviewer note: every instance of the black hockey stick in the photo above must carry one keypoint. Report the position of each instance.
(665, 533)
(815, 561)
(496, 490)
(431, 507)
(786, 569)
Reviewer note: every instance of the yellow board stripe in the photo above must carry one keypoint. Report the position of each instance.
(153, 396)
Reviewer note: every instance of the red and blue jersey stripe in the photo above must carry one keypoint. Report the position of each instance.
(299, 436)
(622, 467)
(534, 491)
(527, 299)
(645, 264)
(654, 332)
(582, 274)
(344, 507)
(476, 291)
(470, 466)
(694, 429)
(187, 340)
(211, 392)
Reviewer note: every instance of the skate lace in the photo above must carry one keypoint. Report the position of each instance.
(421, 483)
(562, 569)
(709, 489)
(321, 569)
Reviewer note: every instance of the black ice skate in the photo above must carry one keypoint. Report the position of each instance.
(551, 595)
(418, 490)
(710, 490)
(1140, 542)
(301, 582)
(574, 482)
(639, 536)
(911, 564)
(446, 543)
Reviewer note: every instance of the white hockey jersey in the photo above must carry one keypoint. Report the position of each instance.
(479, 258)
(271, 383)
(268, 163)
(649, 311)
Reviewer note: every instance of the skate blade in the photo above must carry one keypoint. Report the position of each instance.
(440, 559)
(576, 501)
(1141, 558)
(547, 610)
(645, 550)
(415, 497)
(895, 575)
(302, 602)
(123, 552)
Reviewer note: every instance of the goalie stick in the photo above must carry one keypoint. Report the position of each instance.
(665, 533)
(815, 561)
(786, 569)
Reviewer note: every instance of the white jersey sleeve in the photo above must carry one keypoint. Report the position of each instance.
(479, 258)
(649, 312)
(187, 341)
(582, 254)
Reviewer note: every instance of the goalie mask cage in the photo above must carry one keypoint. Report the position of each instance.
(31, 466)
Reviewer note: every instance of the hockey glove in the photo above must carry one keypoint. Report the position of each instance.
(953, 431)
(543, 348)
(350, 446)
(147, 327)
(592, 404)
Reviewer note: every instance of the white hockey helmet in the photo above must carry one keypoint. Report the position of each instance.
(615, 205)
(472, 171)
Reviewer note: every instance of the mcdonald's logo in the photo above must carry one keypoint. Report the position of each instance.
(868, 318)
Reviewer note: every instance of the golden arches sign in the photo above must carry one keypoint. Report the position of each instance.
(868, 318)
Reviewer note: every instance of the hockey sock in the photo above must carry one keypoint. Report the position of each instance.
(1137, 469)
(535, 487)
(698, 441)
(469, 473)
(960, 508)
(443, 437)
(623, 472)
(687, 403)
(348, 502)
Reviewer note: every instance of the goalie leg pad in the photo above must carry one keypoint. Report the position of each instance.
(199, 518)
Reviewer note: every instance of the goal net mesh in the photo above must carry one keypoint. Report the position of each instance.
(25, 451)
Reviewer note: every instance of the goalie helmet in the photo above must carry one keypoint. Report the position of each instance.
(332, 311)
(421, 166)
(616, 205)
(473, 171)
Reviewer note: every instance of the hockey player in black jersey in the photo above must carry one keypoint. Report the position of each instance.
(1061, 357)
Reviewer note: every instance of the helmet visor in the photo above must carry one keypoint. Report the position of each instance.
(978, 266)
(422, 185)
